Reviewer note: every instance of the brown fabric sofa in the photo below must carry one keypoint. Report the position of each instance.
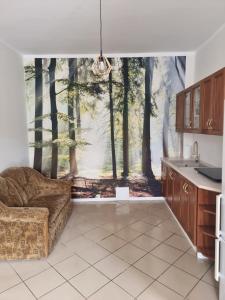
(33, 213)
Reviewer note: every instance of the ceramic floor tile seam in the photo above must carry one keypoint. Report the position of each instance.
(136, 297)
(111, 252)
(23, 281)
(155, 280)
(199, 278)
(66, 281)
(160, 243)
(131, 264)
(184, 237)
(166, 261)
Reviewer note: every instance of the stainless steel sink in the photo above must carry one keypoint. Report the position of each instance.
(188, 164)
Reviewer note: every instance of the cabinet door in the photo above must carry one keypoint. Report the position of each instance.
(164, 180)
(184, 206)
(217, 106)
(176, 195)
(187, 111)
(180, 112)
(206, 93)
(196, 108)
(191, 191)
(170, 184)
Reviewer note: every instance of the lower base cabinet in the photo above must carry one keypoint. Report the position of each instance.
(194, 208)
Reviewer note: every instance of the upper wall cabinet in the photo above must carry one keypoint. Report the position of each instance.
(200, 107)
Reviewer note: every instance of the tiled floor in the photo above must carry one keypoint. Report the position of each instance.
(114, 251)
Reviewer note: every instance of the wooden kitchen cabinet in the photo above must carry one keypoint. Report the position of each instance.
(170, 186)
(202, 105)
(194, 208)
(213, 103)
(176, 203)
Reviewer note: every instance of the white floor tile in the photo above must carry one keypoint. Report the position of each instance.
(193, 265)
(111, 292)
(89, 281)
(97, 234)
(65, 292)
(112, 243)
(8, 277)
(178, 280)
(130, 253)
(203, 291)
(141, 226)
(133, 281)
(178, 242)
(19, 291)
(209, 277)
(167, 253)
(145, 242)
(128, 234)
(94, 254)
(44, 282)
(158, 291)
(151, 265)
(71, 266)
(111, 266)
(159, 234)
(29, 268)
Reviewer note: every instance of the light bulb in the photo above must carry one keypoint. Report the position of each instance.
(101, 65)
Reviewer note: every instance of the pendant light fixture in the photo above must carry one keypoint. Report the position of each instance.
(101, 66)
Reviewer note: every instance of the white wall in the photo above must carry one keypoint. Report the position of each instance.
(209, 58)
(13, 129)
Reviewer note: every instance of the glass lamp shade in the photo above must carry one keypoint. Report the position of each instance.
(101, 66)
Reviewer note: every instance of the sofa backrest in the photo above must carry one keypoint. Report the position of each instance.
(26, 179)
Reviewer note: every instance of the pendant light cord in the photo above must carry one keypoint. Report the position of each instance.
(100, 19)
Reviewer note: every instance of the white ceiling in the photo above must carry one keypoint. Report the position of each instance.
(129, 26)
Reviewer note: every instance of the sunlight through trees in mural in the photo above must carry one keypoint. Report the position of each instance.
(103, 133)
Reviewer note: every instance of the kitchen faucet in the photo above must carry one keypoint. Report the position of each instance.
(195, 154)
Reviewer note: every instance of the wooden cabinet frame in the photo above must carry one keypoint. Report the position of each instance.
(212, 96)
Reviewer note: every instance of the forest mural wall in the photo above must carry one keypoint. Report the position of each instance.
(103, 132)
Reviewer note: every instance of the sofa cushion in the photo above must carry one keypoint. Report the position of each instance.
(54, 203)
(9, 192)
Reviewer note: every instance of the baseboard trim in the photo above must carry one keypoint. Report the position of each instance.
(130, 199)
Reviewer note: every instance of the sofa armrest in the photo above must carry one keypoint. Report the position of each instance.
(23, 232)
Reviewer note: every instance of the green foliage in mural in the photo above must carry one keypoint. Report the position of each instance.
(102, 126)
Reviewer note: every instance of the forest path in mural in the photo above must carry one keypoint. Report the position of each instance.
(104, 188)
(103, 133)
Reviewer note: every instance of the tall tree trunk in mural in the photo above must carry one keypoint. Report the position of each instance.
(78, 114)
(180, 61)
(146, 143)
(72, 64)
(38, 135)
(125, 72)
(111, 109)
(54, 118)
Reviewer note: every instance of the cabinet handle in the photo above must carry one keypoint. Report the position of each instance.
(210, 124)
(171, 175)
(207, 123)
(186, 188)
